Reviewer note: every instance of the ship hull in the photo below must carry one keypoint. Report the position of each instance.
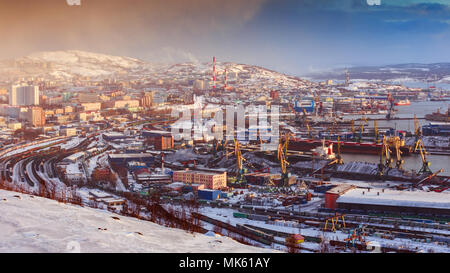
(346, 147)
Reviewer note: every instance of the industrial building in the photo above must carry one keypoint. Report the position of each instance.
(386, 200)
(161, 140)
(111, 136)
(124, 159)
(334, 193)
(210, 180)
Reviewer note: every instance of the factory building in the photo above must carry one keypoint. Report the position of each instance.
(210, 180)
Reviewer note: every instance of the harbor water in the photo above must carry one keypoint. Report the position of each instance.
(413, 162)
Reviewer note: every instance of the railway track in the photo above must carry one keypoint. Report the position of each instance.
(412, 232)
(266, 236)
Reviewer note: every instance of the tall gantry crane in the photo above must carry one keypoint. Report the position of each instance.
(391, 109)
(240, 179)
(375, 129)
(308, 127)
(398, 153)
(333, 127)
(417, 129)
(425, 164)
(385, 158)
(353, 130)
(240, 170)
(282, 157)
(339, 159)
(361, 131)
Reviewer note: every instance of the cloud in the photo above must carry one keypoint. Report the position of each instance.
(171, 55)
(110, 25)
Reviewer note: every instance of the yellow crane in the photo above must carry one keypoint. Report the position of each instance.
(375, 128)
(417, 129)
(334, 222)
(333, 127)
(282, 157)
(425, 164)
(240, 179)
(364, 122)
(398, 153)
(385, 158)
(339, 159)
(308, 128)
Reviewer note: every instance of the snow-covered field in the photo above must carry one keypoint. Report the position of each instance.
(34, 224)
(226, 215)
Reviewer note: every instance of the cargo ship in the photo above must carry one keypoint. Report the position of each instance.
(306, 145)
(438, 116)
(402, 103)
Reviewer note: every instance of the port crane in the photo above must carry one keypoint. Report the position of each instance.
(391, 109)
(334, 222)
(282, 157)
(333, 127)
(375, 130)
(385, 158)
(308, 128)
(398, 153)
(339, 159)
(425, 164)
(361, 131)
(357, 234)
(353, 130)
(428, 178)
(417, 129)
(240, 178)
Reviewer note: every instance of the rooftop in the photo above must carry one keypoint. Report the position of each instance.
(397, 198)
(341, 189)
(118, 156)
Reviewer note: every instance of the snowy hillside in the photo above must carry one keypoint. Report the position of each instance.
(67, 65)
(71, 63)
(439, 72)
(34, 224)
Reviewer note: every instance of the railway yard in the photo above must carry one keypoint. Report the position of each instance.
(271, 160)
(261, 202)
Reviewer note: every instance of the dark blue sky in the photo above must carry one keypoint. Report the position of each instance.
(294, 36)
(302, 36)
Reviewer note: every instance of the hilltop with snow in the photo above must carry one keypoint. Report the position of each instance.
(34, 224)
(70, 64)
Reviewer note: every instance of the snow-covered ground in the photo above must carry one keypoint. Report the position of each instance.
(226, 215)
(34, 224)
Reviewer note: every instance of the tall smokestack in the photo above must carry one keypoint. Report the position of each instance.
(214, 73)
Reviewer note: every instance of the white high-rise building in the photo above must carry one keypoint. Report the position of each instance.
(24, 95)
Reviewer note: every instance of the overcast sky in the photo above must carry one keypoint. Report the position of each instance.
(294, 36)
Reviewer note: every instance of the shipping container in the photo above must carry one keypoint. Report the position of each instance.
(209, 194)
(258, 217)
(240, 215)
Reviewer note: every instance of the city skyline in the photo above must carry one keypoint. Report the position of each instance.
(295, 37)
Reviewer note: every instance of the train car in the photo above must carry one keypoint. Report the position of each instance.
(269, 238)
(240, 215)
